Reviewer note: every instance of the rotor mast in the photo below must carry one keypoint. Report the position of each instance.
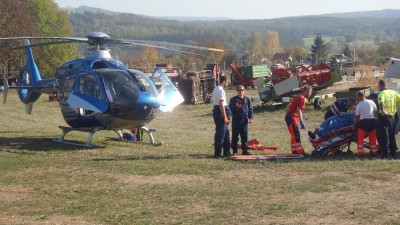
(97, 49)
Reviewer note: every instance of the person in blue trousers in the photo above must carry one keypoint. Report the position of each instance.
(221, 115)
(242, 115)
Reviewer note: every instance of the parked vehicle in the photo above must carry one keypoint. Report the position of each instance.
(246, 75)
(285, 83)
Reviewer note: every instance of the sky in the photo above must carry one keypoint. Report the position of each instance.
(245, 9)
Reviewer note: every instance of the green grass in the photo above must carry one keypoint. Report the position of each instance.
(179, 183)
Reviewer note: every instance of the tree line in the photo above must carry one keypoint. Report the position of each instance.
(237, 33)
(253, 41)
(34, 18)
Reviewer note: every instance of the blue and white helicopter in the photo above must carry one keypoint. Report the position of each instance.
(98, 92)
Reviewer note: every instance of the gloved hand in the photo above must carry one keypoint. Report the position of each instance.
(302, 125)
(226, 121)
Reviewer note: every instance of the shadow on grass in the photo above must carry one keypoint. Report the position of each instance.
(35, 144)
(205, 156)
(346, 157)
(155, 157)
(308, 158)
(140, 158)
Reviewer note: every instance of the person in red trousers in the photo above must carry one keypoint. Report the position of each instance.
(294, 119)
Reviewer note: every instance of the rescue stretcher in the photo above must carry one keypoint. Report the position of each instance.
(255, 145)
(267, 157)
(335, 142)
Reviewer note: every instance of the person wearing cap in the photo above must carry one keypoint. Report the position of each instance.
(221, 115)
(388, 101)
(242, 115)
(374, 97)
(340, 106)
(294, 119)
(365, 123)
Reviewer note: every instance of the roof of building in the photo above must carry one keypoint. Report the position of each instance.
(281, 57)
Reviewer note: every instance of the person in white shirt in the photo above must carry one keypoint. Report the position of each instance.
(221, 115)
(365, 123)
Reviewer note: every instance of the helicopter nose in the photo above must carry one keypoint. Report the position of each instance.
(154, 105)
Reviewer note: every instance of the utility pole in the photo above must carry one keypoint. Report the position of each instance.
(354, 54)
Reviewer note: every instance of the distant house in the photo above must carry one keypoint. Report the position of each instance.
(340, 58)
(280, 57)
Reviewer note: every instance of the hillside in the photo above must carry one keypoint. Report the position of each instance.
(377, 14)
(236, 33)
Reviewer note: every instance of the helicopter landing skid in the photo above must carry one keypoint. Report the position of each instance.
(66, 130)
(150, 133)
(146, 130)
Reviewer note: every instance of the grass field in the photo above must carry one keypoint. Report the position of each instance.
(43, 182)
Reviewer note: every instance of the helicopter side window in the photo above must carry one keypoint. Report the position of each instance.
(75, 69)
(66, 87)
(88, 85)
(62, 71)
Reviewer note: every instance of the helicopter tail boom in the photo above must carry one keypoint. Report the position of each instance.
(29, 83)
(31, 65)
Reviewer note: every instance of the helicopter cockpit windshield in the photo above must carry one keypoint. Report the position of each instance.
(168, 95)
(126, 87)
(145, 81)
(120, 87)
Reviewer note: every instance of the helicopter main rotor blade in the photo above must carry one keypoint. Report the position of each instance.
(161, 44)
(165, 48)
(98, 38)
(41, 44)
(72, 39)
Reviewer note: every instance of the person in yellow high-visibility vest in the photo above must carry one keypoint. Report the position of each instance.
(388, 101)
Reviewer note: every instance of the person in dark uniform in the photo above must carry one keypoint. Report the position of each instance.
(242, 115)
(341, 106)
(221, 115)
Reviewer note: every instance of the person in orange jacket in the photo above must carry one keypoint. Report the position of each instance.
(294, 119)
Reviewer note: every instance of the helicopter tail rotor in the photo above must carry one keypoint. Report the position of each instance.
(26, 91)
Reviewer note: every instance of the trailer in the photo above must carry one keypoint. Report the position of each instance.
(246, 75)
(351, 92)
(285, 83)
(197, 87)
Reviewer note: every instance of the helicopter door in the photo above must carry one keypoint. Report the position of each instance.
(88, 95)
(169, 96)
